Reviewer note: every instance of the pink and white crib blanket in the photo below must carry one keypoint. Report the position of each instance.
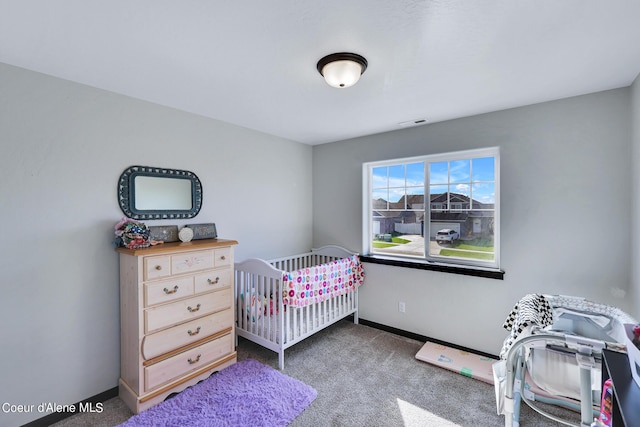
(322, 282)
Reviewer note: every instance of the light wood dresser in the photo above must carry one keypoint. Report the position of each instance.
(176, 318)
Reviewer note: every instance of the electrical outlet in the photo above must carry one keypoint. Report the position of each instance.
(401, 307)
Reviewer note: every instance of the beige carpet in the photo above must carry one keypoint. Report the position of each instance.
(367, 377)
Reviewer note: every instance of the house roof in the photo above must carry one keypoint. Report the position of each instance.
(381, 208)
(458, 198)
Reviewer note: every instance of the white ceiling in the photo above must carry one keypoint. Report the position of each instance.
(253, 62)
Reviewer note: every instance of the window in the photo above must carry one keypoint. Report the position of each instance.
(458, 223)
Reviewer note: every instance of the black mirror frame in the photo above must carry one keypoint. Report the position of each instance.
(126, 193)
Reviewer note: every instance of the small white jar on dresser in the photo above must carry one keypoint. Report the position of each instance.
(176, 317)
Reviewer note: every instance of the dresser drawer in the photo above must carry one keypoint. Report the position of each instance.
(167, 290)
(211, 280)
(176, 366)
(191, 261)
(156, 267)
(222, 257)
(162, 342)
(184, 310)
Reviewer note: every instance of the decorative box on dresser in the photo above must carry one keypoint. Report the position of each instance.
(176, 317)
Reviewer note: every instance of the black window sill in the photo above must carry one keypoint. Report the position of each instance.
(426, 265)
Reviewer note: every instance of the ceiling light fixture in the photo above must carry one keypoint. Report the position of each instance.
(342, 69)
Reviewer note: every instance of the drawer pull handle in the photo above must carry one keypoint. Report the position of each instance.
(171, 291)
(158, 267)
(213, 282)
(191, 333)
(191, 361)
(193, 310)
(223, 257)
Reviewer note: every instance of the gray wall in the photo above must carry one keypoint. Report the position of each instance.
(566, 183)
(64, 146)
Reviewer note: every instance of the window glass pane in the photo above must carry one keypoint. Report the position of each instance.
(439, 173)
(463, 230)
(379, 199)
(462, 189)
(399, 230)
(399, 233)
(485, 194)
(416, 195)
(415, 198)
(396, 197)
(460, 171)
(396, 176)
(415, 174)
(379, 177)
(416, 190)
(483, 169)
(439, 191)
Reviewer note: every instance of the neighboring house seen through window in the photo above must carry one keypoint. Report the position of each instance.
(459, 224)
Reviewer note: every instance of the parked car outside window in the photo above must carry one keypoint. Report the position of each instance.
(447, 235)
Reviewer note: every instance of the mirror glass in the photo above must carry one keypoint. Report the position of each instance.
(162, 193)
(146, 192)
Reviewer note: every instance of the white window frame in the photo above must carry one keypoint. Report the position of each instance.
(367, 211)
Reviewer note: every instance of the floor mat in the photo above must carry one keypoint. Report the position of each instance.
(463, 362)
(246, 393)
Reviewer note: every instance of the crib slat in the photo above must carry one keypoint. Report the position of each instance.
(314, 315)
(269, 311)
(259, 308)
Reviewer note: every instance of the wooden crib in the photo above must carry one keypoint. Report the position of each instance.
(283, 301)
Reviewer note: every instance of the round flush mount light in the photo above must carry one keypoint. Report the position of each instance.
(342, 69)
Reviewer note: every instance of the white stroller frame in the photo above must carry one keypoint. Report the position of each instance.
(587, 350)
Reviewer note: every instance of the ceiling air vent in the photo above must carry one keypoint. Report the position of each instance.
(416, 122)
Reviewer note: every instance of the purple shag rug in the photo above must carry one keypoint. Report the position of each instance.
(246, 393)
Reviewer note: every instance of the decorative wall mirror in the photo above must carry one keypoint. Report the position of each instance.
(146, 192)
